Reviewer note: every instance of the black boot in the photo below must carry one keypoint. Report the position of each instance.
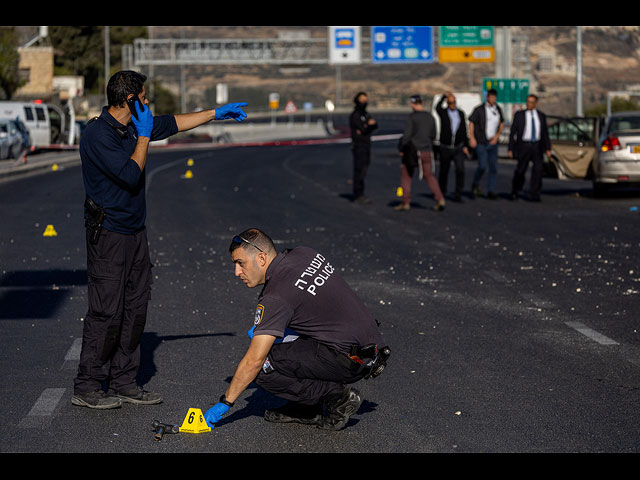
(340, 406)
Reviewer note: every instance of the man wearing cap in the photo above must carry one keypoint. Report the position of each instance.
(312, 337)
(416, 149)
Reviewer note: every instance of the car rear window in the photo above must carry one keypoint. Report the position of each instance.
(624, 123)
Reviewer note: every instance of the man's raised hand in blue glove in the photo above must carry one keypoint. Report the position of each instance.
(231, 110)
(215, 413)
(144, 122)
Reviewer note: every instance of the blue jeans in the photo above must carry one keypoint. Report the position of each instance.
(487, 156)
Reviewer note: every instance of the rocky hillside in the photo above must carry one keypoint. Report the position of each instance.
(611, 61)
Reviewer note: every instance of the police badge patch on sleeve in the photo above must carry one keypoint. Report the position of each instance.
(258, 317)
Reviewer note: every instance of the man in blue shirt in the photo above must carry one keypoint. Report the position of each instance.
(114, 151)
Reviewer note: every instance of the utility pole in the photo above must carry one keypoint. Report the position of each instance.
(579, 107)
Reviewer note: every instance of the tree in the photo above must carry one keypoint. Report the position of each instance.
(10, 79)
(79, 50)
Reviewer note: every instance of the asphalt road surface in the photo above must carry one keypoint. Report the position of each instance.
(513, 325)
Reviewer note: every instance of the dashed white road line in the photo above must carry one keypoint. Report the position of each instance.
(73, 353)
(592, 334)
(43, 409)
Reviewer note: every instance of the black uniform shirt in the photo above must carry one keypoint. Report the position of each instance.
(305, 293)
(359, 122)
(111, 178)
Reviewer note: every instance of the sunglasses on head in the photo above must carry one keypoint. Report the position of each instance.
(239, 240)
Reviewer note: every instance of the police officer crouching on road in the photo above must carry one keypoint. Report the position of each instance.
(113, 152)
(312, 336)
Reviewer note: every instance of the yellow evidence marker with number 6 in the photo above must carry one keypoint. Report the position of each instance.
(194, 422)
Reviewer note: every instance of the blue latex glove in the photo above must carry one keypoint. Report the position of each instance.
(231, 110)
(215, 413)
(144, 123)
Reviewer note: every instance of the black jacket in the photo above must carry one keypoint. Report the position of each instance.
(461, 138)
(358, 122)
(517, 131)
(478, 118)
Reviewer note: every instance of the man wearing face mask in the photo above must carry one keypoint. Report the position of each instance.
(113, 151)
(362, 125)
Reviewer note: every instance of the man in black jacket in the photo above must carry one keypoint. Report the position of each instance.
(528, 139)
(485, 126)
(453, 143)
(362, 124)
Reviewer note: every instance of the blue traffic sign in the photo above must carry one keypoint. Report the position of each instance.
(402, 44)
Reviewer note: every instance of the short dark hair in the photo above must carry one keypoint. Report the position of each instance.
(493, 91)
(535, 97)
(256, 237)
(122, 84)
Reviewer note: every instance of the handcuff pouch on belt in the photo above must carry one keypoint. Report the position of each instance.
(354, 360)
(93, 218)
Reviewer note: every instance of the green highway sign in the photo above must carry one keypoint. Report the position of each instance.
(469, 36)
(510, 90)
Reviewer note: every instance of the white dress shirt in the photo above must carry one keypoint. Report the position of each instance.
(531, 115)
(493, 121)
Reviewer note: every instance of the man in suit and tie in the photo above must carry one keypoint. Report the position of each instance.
(528, 140)
(454, 143)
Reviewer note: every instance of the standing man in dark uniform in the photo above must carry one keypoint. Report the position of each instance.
(113, 152)
(312, 336)
(454, 143)
(528, 140)
(362, 124)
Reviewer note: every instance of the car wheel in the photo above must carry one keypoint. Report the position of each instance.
(15, 151)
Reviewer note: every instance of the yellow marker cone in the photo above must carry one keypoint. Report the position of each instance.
(190, 162)
(50, 231)
(399, 192)
(188, 174)
(194, 422)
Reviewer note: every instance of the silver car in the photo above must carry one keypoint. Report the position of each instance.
(605, 151)
(618, 160)
(11, 140)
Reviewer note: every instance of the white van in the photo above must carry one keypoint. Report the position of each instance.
(47, 123)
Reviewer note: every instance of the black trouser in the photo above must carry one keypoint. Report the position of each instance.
(304, 371)
(361, 161)
(119, 286)
(528, 152)
(447, 154)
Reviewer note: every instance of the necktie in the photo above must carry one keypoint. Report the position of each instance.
(533, 128)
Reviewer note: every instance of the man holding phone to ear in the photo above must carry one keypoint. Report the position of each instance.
(113, 151)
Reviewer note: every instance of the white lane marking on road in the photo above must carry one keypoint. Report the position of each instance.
(74, 351)
(592, 334)
(150, 174)
(43, 408)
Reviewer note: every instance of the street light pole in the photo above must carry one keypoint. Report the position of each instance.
(107, 62)
(579, 106)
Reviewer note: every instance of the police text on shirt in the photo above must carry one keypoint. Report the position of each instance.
(318, 272)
